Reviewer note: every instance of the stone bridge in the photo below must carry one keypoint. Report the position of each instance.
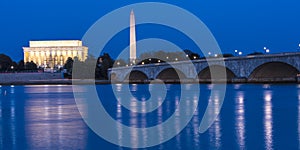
(283, 67)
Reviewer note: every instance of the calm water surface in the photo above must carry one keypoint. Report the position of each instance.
(253, 116)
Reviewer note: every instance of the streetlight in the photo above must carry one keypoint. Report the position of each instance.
(209, 53)
(266, 50)
(299, 47)
(240, 53)
(236, 52)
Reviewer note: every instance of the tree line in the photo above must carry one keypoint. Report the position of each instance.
(91, 68)
(8, 65)
(100, 66)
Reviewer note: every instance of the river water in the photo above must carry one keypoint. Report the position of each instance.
(253, 116)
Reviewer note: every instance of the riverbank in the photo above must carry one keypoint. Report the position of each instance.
(57, 78)
(30, 78)
(90, 82)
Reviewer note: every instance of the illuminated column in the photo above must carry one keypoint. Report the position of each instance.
(73, 53)
(69, 53)
(132, 38)
(43, 57)
(25, 56)
(31, 56)
(38, 58)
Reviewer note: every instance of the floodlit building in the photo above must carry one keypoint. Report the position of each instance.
(53, 54)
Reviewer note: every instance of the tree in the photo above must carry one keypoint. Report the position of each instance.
(104, 62)
(14, 66)
(31, 66)
(69, 65)
(5, 62)
(21, 65)
(255, 53)
(120, 63)
(191, 55)
(166, 56)
(228, 55)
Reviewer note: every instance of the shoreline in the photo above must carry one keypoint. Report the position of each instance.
(99, 82)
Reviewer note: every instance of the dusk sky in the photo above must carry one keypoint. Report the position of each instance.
(244, 25)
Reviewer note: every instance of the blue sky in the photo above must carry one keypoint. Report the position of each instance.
(244, 25)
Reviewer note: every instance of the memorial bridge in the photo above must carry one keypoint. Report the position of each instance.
(282, 67)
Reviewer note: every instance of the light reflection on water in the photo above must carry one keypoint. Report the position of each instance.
(40, 117)
(268, 120)
(46, 117)
(54, 122)
(299, 116)
(240, 119)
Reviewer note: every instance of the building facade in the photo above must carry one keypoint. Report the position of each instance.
(53, 54)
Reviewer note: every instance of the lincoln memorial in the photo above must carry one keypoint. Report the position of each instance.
(53, 54)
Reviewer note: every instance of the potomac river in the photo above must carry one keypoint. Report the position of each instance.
(253, 116)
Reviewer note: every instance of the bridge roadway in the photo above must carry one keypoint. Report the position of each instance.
(282, 67)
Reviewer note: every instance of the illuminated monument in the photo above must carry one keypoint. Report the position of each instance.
(53, 54)
(132, 39)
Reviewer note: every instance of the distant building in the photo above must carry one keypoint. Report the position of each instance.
(53, 54)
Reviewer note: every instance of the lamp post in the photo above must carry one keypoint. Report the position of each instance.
(209, 53)
(266, 50)
(236, 52)
(240, 53)
(298, 47)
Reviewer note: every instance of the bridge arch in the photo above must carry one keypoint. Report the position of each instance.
(273, 71)
(171, 74)
(205, 74)
(136, 75)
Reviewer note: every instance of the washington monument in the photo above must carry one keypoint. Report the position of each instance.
(132, 39)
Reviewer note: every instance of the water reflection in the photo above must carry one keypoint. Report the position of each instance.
(160, 129)
(8, 118)
(1, 120)
(53, 120)
(298, 116)
(268, 120)
(46, 117)
(240, 119)
(215, 129)
(166, 109)
(13, 116)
